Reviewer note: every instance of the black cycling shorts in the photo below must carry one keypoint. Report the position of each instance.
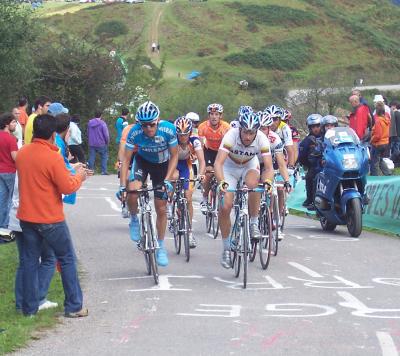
(157, 171)
(210, 156)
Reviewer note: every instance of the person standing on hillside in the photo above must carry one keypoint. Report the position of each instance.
(99, 139)
(360, 118)
(8, 153)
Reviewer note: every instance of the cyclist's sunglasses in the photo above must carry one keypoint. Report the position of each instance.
(146, 125)
(276, 118)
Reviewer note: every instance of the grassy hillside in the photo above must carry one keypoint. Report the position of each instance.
(235, 36)
(272, 44)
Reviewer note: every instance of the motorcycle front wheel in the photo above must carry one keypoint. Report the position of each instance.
(354, 217)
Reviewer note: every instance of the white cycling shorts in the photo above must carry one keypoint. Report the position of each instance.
(233, 171)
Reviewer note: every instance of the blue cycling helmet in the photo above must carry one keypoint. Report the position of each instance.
(244, 109)
(314, 119)
(249, 121)
(147, 112)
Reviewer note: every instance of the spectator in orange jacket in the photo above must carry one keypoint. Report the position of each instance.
(43, 178)
(379, 138)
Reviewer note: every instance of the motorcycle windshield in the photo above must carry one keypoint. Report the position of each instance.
(339, 135)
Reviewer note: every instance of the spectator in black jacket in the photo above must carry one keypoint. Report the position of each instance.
(394, 132)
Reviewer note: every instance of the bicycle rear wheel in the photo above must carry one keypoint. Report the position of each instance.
(185, 224)
(143, 242)
(214, 213)
(283, 213)
(275, 215)
(253, 250)
(177, 235)
(245, 248)
(265, 244)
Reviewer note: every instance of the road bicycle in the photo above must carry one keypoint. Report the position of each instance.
(180, 222)
(265, 243)
(240, 233)
(148, 243)
(212, 223)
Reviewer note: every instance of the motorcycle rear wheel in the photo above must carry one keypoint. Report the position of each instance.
(326, 225)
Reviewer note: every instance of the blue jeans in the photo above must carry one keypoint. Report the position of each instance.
(395, 149)
(103, 151)
(6, 191)
(46, 271)
(58, 238)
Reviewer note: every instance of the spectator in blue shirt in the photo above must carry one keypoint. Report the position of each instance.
(121, 123)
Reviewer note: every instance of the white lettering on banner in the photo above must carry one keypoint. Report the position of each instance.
(340, 283)
(216, 310)
(387, 344)
(361, 309)
(388, 281)
(315, 310)
(164, 284)
(270, 284)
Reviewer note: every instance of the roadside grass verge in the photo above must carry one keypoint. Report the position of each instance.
(18, 329)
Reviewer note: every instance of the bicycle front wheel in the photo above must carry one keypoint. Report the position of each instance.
(152, 248)
(175, 226)
(275, 215)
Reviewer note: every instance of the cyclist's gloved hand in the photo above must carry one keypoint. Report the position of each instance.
(287, 186)
(268, 185)
(168, 186)
(222, 186)
(121, 193)
(201, 177)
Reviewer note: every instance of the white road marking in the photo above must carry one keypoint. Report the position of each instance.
(305, 269)
(114, 206)
(387, 345)
(211, 235)
(216, 310)
(297, 237)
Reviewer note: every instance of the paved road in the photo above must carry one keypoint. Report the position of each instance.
(324, 294)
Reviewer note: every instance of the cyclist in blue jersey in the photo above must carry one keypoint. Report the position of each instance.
(157, 156)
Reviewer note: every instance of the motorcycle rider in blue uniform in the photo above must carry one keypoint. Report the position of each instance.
(306, 146)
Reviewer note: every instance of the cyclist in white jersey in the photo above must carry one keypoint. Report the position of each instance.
(236, 159)
(283, 131)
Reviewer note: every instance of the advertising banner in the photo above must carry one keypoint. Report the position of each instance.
(383, 210)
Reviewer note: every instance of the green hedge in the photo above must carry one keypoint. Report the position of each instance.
(111, 28)
(285, 55)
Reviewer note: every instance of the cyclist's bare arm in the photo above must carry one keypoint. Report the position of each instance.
(125, 167)
(202, 162)
(218, 164)
(291, 155)
(280, 159)
(268, 172)
(121, 151)
(172, 163)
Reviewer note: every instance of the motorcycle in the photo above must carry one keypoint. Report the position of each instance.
(340, 194)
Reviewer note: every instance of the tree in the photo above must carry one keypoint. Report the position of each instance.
(18, 33)
(78, 74)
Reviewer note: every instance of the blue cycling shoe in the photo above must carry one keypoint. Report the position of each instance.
(162, 258)
(134, 229)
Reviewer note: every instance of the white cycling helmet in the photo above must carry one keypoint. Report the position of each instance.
(215, 108)
(275, 111)
(193, 116)
(264, 118)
